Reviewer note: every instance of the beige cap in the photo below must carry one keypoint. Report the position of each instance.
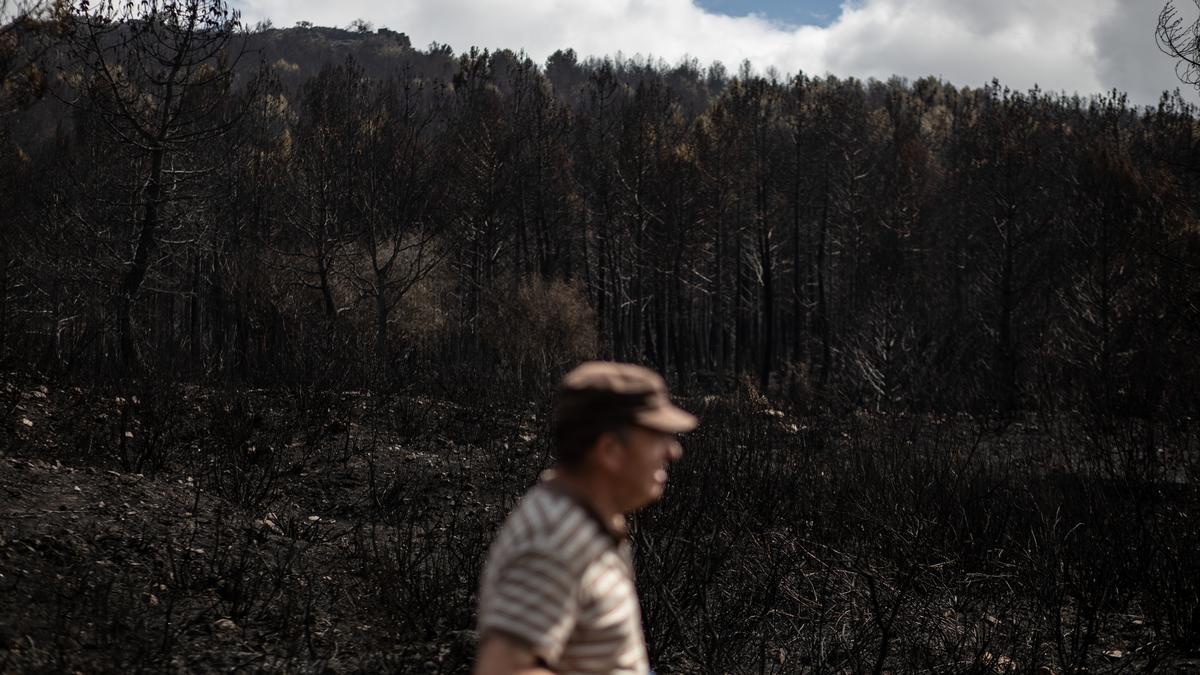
(608, 393)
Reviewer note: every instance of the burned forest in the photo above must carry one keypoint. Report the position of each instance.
(282, 312)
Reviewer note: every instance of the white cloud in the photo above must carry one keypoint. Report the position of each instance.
(1085, 46)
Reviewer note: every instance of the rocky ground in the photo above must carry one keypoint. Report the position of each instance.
(300, 546)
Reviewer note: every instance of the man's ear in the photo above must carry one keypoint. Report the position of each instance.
(609, 452)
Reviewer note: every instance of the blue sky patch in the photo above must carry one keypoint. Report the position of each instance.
(795, 12)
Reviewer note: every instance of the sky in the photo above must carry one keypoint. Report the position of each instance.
(1075, 46)
(788, 12)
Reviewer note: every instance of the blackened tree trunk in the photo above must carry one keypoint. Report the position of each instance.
(822, 318)
(132, 280)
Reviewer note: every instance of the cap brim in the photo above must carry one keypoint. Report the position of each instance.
(668, 419)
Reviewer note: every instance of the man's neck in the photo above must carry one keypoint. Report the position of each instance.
(595, 495)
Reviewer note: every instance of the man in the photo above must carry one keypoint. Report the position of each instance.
(557, 593)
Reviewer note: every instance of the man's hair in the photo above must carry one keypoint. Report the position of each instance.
(572, 442)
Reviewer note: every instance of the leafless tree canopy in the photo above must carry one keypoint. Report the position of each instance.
(1180, 40)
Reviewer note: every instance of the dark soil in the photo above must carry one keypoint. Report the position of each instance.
(106, 569)
(198, 530)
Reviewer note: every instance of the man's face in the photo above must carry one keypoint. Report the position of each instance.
(642, 475)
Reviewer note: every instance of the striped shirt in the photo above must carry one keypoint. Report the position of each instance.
(557, 579)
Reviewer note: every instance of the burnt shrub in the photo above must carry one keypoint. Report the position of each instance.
(142, 426)
(539, 331)
(243, 457)
(421, 550)
(873, 542)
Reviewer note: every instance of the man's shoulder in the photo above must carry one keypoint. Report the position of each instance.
(548, 523)
(542, 513)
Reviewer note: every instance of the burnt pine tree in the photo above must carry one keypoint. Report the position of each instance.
(28, 28)
(398, 197)
(322, 171)
(25, 33)
(158, 77)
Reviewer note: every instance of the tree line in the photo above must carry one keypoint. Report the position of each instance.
(182, 200)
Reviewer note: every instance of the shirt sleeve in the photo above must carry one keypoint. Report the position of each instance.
(534, 598)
